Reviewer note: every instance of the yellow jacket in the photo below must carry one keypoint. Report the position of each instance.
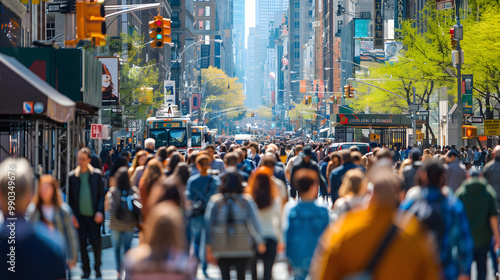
(348, 245)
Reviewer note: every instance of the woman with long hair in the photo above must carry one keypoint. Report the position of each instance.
(232, 210)
(139, 160)
(335, 161)
(269, 205)
(352, 192)
(153, 174)
(48, 209)
(163, 253)
(123, 221)
(175, 158)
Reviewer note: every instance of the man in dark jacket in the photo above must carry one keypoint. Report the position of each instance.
(86, 198)
(491, 171)
(338, 173)
(305, 161)
(410, 170)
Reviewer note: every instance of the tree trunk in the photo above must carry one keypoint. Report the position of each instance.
(488, 115)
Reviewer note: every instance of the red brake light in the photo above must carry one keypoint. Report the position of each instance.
(340, 147)
(368, 149)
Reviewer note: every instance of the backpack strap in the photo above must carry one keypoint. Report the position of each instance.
(386, 241)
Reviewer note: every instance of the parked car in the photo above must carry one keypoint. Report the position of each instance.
(363, 147)
(373, 145)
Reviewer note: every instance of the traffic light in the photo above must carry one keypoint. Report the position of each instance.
(252, 115)
(351, 92)
(469, 132)
(156, 32)
(90, 22)
(167, 31)
(346, 91)
(309, 100)
(452, 37)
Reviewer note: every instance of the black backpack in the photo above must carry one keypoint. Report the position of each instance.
(128, 205)
(431, 215)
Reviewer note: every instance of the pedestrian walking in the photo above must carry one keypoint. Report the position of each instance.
(303, 223)
(337, 174)
(162, 255)
(446, 219)
(48, 210)
(305, 161)
(233, 229)
(481, 205)
(125, 209)
(351, 193)
(371, 244)
(86, 198)
(268, 201)
(199, 189)
(34, 255)
(491, 171)
(455, 170)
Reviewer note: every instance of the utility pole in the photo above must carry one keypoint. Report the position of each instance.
(458, 60)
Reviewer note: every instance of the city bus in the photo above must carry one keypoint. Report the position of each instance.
(199, 136)
(170, 130)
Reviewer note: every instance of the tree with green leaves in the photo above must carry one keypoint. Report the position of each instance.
(424, 65)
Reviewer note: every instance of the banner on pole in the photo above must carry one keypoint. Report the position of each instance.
(169, 93)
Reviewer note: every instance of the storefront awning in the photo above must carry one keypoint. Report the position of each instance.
(24, 93)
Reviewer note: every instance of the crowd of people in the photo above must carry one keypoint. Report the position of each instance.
(387, 214)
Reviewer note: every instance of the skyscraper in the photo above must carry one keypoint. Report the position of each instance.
(239, 38)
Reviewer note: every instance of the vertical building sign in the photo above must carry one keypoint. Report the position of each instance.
(467, 99)
(399, 17)
(378, 26)
(169, 93)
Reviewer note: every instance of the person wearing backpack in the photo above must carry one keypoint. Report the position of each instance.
(303, 222)
(445, 218)
(233, 230)
(371, 243)
(199, 189)
(125, 210)
(481, 205)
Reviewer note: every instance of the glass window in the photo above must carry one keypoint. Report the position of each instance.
(200, 24)
(50, 27)
(177, 137)
(296, 24)
(207, 25)
(207, 11)
(310, 12)
(160, 137)
(297, 54)
(297, 4)
(200, 12)
(196, 139)
(297, 14)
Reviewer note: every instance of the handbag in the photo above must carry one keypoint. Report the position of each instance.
(367, 273)
(198, 207)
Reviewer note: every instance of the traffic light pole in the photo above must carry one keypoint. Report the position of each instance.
(70, 30)
(413, 120)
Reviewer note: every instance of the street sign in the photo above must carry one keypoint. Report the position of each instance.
(132, 126)
(422, 113)
(492, 127)
(96, 131)
(116, 110)
(53, 8)
(413, 106)
(475, 119)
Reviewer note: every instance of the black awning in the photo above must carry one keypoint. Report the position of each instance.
(22, 92)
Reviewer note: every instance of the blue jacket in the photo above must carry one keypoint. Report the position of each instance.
(303, 224)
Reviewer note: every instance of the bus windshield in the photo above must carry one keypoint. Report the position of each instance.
(196, 139)
(169, 137)
(177, 137)
(160, 137)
